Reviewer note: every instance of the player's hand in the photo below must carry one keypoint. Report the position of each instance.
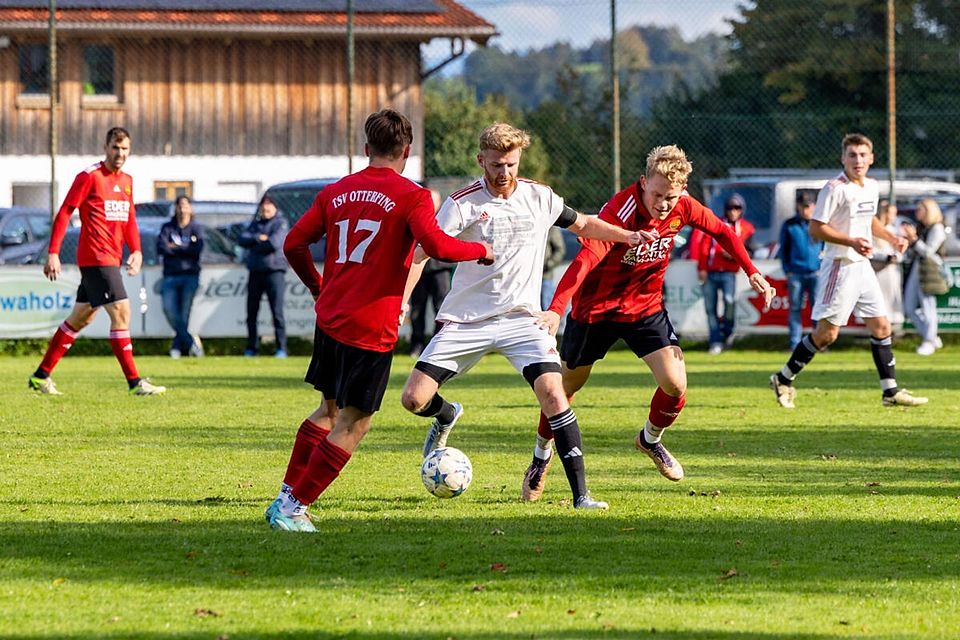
(761, 286)
(263, 237)
(134, 262)
(548, 320)
(404, 310)
(488, 259)
(641, 235)
(51, 268)
(863, 246)
(702, 276)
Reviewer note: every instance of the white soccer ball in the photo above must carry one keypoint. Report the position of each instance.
(446, 472)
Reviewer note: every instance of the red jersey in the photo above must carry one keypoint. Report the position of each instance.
(613, 281)
(107, 217)
(372, 220)
(712, 257)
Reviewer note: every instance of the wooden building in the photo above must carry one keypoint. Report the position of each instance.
(248, 82)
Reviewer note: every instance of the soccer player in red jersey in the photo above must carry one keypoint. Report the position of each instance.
(104, 195)
(372, 220)
(617, 292)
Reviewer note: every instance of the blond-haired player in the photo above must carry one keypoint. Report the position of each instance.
(617, 292)
(845, 220)
(498, 309)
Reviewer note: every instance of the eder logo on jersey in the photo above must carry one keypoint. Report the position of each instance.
(116, 210)
(652, 251)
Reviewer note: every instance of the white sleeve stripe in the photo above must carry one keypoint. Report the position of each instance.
(627, 209)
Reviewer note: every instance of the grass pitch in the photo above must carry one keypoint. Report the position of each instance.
(124, 517)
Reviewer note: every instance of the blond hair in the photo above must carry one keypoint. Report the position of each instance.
(855, 140)
(934, 214)
(502, 137)
(670, 162)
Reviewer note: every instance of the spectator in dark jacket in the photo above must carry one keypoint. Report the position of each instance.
(800, 259)
(180, 243)
(263, 239)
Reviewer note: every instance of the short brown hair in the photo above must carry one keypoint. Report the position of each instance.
(117, 133)
(388, 132)
(670, 162)
(855, 140)
(502, 137)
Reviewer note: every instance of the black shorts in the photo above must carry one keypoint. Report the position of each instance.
(585, 343)
(100, 286)
(354, 377)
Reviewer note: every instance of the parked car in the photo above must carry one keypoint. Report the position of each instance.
(213, 214)
(24, 233)
(217, 247)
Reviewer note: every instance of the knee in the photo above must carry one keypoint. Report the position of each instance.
(675, 388)
(412, 401)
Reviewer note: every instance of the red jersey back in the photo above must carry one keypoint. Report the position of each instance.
(366, 218)
(107, 217)
(625, 284)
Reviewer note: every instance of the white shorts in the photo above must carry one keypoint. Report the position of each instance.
(460, 345)
(844, 287)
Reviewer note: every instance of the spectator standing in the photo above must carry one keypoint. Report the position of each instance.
(717, 272)
(800, 260)
(555, 253)
(179, 244)
(925, 281)
(263, 239)
(886, 262)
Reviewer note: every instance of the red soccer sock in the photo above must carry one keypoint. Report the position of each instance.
(308, 437)
(60, 343)
(327, 460)
(664, 409)
(123, 349)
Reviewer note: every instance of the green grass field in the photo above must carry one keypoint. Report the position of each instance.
(125, 517)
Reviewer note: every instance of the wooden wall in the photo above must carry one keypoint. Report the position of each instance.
(218, 97)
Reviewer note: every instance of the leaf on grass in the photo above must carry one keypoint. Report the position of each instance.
(731, 573)
(245, 484)
(499, 567)
(874, 493)
(176, 520)
(565, 502)
(513, 614)
(212, 500)
(401, 590)
(497, 532)
(477, 588)
(538, 551)
(845, 623)
(113, 619)
(243, 573)
(58, 581)
(774, 563)
(738, 542)
(223, 636)
(731, 454)
(191, 555)
(24, 509)
(442, 565)
(203, 612)
(571, 612)
(629, 529)
(871, 484)
(828, 456)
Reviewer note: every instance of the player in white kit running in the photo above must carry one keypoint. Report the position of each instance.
(845, 220)
(498, 310)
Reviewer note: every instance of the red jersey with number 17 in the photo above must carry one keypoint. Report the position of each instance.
(372, 220)
(611, 281)
(107, 217)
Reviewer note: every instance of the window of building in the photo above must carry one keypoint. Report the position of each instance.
(99, 71)
(172, 189)
(34, 68)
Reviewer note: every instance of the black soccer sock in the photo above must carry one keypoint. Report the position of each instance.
(133, 382)
(40, 373)
(885, 362)
(566, 434)
(801, 357)
(443, 410)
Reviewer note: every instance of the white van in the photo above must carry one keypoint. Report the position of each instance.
(771, 195)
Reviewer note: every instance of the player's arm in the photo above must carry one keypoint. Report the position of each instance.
(879, 230)
(78, 192)
(131, 235)
(703, 219)
(596, 229)
(435, 241)
(820, 230)
(296, 247)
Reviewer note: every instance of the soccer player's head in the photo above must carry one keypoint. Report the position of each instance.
(665, 180)
(389, 135)
(500, 149)
(116, 148)
(857, 156)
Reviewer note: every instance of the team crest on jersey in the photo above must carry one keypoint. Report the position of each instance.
(126, 190)
(652, 251)
(674, 224)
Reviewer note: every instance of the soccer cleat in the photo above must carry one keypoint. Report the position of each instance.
(535, 479)
(272, 510)
(43, 385)
(667, 465)
(587, 503)
(785, 393)
(146, 388)
(437, 434)
(280, 522)
(926, 348)
(903, 398)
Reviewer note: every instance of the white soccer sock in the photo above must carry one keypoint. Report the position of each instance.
(544, 448)
(652, 433)
(285, 489)
(290, 506)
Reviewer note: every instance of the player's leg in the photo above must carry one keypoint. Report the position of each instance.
(881, 346)
(122, 345)
(670, 373)
(451, 352)
(63, 338)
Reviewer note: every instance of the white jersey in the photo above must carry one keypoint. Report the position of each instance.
(849, 209)
(517, 229)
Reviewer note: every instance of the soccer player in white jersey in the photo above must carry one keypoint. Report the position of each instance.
(498, 310)
(844, 219)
